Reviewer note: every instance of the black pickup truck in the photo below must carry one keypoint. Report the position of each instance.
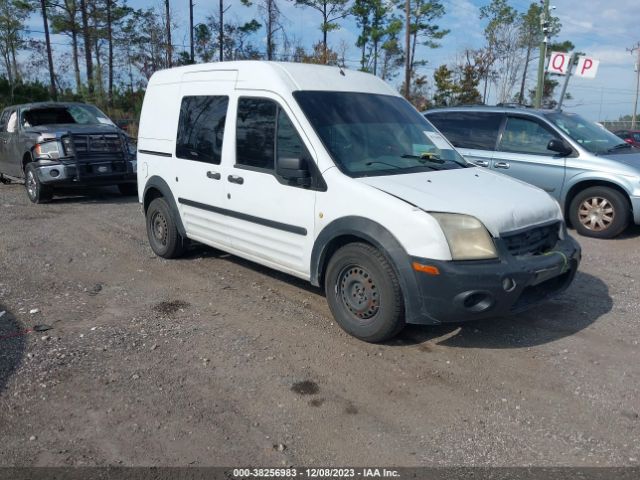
(59, 144)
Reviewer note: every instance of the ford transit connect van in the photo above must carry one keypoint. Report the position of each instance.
(592, 173)
(329, 175)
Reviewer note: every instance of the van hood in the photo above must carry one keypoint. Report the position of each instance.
(501, 203)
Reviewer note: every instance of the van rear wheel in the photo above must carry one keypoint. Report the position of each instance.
(599, 212)
(164, 238)
(364, 294)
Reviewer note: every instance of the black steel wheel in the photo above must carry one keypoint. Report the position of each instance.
(164, 238)
(363, 293)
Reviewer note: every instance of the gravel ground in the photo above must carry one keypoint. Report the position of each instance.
(212, 360)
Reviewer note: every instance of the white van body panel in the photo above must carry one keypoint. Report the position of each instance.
(394, 201)
(492, 193)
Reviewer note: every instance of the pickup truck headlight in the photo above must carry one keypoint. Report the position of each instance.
(467, 237)
(132, 147)
(47, 151)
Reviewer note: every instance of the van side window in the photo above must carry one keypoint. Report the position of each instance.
(255, 133)
(525, 136)
(474, 130)
(201, 128)
(288, 142)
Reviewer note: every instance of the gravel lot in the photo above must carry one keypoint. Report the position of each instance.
(211, 360)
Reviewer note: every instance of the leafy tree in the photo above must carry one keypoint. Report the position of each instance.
(392, 53)
(377, 25)
(332, 11)
(65, 20)
(446, 87)
(422, 28)
(499, 33)
(13, 14)
(530, 37)
(271, 16)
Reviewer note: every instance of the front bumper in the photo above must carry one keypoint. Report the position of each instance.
(81, 174)
(474, 290)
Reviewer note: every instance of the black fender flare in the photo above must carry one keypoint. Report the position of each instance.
(161, 185)
(381, 238)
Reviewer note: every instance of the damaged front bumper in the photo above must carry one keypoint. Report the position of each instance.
(86, 173)
(472, 290)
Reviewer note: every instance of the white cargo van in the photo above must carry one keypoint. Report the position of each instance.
(329, 175)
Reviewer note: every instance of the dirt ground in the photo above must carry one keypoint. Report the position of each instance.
(211, 360)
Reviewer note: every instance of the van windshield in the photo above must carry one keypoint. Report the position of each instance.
(369, 134)
(589, 135)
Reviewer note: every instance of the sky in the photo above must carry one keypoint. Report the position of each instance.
(603, 29)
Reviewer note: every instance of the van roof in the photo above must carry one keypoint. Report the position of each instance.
(283, 76)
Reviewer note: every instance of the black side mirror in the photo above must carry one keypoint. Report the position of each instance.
(559, 146)
(296, 170)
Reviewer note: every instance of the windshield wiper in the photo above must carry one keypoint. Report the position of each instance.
(620, 146)
(425, 157)
(368, 164)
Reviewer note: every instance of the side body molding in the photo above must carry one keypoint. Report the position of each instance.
(161, 185)
(377, 235)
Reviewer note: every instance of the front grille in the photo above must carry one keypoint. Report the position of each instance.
(534, 241)
(91, 144)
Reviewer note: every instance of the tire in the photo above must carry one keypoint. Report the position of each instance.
(599, 212)
(128, 189)
(36, 191)
(364, 294)
(164, 238)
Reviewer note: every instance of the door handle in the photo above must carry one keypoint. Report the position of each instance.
(480, 163)
(504, 165)
(213, 175)
(235, 179)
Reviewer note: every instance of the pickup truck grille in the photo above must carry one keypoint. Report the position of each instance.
(86, 145)
(534, 241)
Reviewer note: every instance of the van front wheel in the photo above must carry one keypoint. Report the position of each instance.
(599, 212)
(164, 238)
(364, 294)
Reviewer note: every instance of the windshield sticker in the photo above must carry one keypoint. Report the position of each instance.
(419, 149)
(104, 121)
(438, 140)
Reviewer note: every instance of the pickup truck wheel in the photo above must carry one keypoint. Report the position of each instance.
(128, 189)
(36, 191)
(164, 238)
(364, 294)
(599, 212)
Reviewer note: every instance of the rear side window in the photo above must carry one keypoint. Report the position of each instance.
(476, 130)
(522, 135)
(201, 128)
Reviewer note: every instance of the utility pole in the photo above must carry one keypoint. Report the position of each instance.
(193, 57)
(544, 22)
(52, 78)
(407, 49)
(634, 49)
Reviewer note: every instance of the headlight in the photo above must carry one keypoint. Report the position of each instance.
(47, 151)
(131, 147)
(467, 237)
